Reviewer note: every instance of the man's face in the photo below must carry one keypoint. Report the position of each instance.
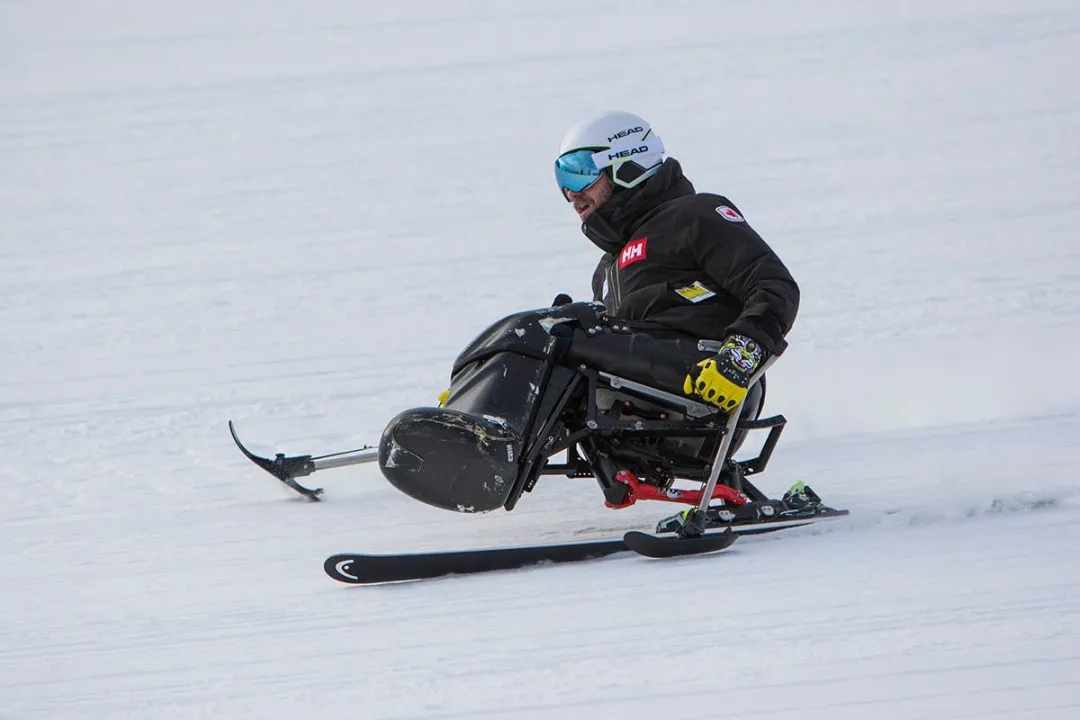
(588, 200)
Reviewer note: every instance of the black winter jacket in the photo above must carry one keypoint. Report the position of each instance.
(686, 262)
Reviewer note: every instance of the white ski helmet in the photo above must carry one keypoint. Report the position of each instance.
(614, 138)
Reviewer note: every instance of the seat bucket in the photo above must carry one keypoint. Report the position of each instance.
(450, 459)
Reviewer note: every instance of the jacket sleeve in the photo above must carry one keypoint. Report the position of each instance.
(735, 257)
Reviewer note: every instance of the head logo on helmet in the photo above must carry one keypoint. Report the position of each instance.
(614, 139)
(624, 133)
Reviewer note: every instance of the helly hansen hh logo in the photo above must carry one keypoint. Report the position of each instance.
(634, 251)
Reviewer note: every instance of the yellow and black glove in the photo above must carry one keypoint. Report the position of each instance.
(723, 379)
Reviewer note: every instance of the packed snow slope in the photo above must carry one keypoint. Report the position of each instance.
(295, 214)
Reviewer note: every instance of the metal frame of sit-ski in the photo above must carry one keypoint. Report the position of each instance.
(540, 447)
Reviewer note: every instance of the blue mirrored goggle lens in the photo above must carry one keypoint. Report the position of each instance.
(576, 171)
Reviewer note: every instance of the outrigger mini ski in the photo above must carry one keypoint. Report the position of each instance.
(287, 469)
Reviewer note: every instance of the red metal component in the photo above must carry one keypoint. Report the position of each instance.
(644, 491)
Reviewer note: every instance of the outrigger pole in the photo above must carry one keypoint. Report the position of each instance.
(287, 469)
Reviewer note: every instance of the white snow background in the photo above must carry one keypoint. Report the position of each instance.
(295, 214)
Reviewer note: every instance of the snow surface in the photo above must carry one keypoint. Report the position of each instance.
(294, 214)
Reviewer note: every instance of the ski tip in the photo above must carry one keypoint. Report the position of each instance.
(243, 449)
(340, 568)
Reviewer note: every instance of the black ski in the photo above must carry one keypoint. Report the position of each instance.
(669, 547)
(360, 569)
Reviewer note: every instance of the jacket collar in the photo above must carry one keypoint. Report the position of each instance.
(615, 222)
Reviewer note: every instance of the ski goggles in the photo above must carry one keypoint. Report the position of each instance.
(575, 171)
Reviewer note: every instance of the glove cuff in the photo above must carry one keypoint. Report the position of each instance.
(739, 358)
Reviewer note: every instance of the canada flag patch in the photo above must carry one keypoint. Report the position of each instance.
(634, 251)
(729, 214)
